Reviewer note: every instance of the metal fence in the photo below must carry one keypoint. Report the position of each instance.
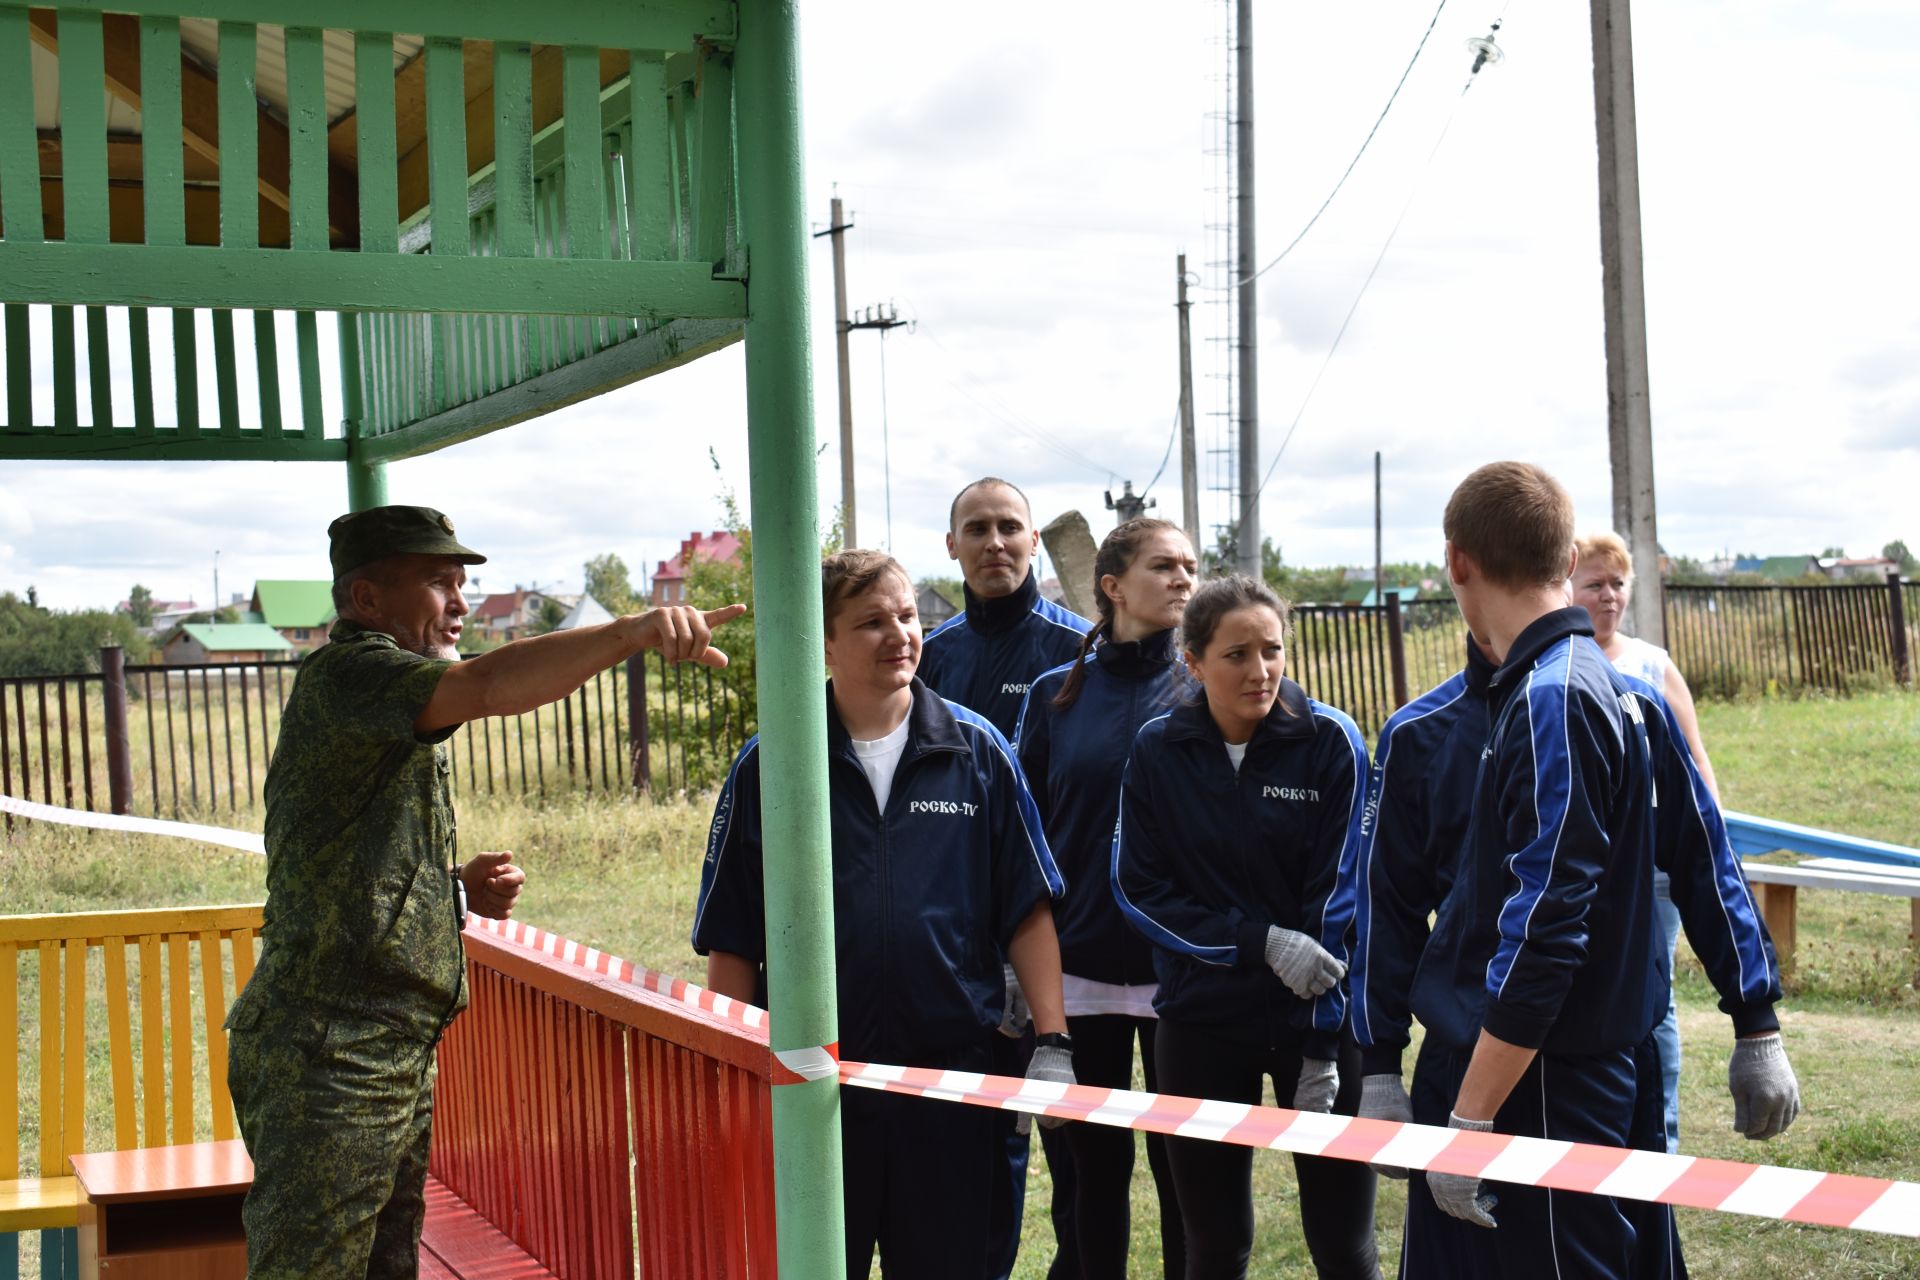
(1733, 641)
(174, 741)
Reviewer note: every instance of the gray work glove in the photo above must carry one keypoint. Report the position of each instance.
(1459, 1195)
(1014, 1015)
(1053, 1064)
(1766, 1096)
(1383, 1097)
(1302, 963)
(1319, 1081)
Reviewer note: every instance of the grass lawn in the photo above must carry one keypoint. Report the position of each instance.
(623, 876)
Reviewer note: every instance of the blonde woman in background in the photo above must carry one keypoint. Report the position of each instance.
(1602, 583)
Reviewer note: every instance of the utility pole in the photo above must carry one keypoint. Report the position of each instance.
(1624, 298)
(882, 318)
(1129, 505)
(1379, 581)
(1247, 529)
(1189, 464)
(838, 229)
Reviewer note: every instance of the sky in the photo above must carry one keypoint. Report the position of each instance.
(1020, 191)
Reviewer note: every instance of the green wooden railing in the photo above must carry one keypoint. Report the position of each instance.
(494, 261)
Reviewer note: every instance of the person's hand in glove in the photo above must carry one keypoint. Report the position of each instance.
(1383, 1097)
(1015, 1015)
(1766, 1096)
(1458, 1194)
(1052, 1063)
(1319, 1081)
(1302, 963)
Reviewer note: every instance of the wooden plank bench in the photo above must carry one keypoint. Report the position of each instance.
(1848, 863)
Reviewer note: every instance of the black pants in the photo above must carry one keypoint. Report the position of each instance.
(1103, 1055)
(919, 1184)
(1214, 1180)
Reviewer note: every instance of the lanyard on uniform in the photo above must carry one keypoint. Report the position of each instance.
(459, 901)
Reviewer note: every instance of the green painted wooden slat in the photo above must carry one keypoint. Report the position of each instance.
(513, 150)
(379, 179)
(66, 393)
(447, 146)
(226, 373)
(350, 332)
(19, 367)
(307, 137)
(99, 369)
(713, 164)
(186, 372)
(19, 144)
(140, 342)
(306, 327)
(83, 126)
(266, 363)
(160, 131)
(287, 279)
(239, 109)
(642, 24)
(680, 171)
(127, 445)
(586, 214)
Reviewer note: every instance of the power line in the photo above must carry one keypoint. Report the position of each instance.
(1378, 121)
(1010, 417)
(1171, 437)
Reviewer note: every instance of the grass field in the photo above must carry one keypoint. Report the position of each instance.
(623, 875)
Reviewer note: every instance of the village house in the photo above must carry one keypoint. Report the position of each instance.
(197, 642)
(301, 610)
(509, 615)
(670, 579)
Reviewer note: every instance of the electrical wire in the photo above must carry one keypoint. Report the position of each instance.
(886, 440)
(1009, 417)
(1171, 437)
(1378, 121)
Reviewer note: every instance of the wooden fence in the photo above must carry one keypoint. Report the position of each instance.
(1734, 641)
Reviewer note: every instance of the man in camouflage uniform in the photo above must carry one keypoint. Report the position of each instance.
(331, 1046)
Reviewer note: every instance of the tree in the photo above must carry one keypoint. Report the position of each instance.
(608, 582)
(1834, 553)
(552, 614)
(1897, 551)
(40, 642)
(140, 606)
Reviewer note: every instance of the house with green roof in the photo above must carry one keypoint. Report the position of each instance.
(193, 642)
(300, 609)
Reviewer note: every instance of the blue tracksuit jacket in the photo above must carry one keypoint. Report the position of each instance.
(986, 657)
(1206, 859)
(926, 896)
(1546, 937)
(1073, 760)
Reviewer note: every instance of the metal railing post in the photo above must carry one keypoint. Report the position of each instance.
(1897, 631)
(113, 691)
(786, 568)
(1397, 649)
(641, 771)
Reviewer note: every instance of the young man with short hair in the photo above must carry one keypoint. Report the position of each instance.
(939, 869)
(986, 658)
(1541, 983)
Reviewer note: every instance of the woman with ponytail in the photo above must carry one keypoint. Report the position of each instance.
(1238, 810)
(1075, 728)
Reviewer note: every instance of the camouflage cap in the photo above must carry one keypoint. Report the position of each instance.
(362, 537)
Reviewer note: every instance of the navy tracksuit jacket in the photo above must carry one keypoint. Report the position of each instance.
(987, 656)
(1206, 859)
(1073, 760)
(925, 896)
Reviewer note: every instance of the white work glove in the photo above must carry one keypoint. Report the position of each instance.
(1383, 1097)
(1766, 1096)
(1459, 1195)
(1014, 1014)
(1055, 1065)
(1302, 963)
(1319, 1081)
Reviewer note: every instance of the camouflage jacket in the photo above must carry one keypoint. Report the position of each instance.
(360, 915)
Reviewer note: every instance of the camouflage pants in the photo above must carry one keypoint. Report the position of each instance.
(336, 1113)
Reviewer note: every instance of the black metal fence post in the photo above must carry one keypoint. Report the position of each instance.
(1897, 629)
(1397, 649)
(642, 770)
(113, 688)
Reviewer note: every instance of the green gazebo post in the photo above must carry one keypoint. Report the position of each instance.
(786, 593)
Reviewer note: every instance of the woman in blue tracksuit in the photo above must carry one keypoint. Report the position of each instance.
(1239, 811)
(1076, 727)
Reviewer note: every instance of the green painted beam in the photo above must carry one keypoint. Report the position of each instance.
(638, 357)
(291, 280)
(629, 24)
(128, 445)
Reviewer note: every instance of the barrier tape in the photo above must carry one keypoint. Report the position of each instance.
(1807, 1196)
(245, 841)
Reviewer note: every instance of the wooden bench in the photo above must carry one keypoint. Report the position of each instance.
(162, 992)
(1848, 863)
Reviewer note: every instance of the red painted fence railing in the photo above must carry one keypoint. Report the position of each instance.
(607, 1129)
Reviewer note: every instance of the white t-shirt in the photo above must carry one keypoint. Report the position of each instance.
(1236, 752)
(1085, 998)
(879, 758)
(1644, 661)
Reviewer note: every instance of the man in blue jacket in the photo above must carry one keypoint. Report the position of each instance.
(1541, 982)
(985, 658)
(940, 868)
(1429, 753)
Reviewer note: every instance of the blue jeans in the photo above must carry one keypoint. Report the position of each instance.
(1666, 1036)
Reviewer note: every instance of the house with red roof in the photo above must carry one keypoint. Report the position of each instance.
(670, 579)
